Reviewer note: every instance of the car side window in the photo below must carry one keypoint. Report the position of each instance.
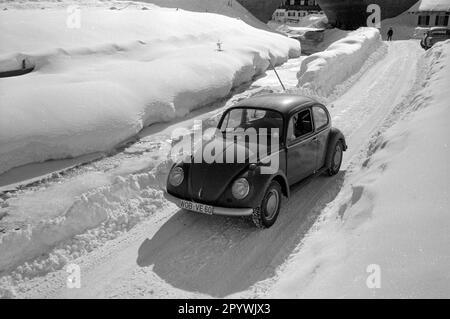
(300, 125)
(320, 117)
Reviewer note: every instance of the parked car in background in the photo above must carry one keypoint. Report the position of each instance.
(435, 35)
(307, 145)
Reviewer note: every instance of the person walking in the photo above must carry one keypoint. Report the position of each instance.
(390, 34)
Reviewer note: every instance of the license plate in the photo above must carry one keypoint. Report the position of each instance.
(196, 207)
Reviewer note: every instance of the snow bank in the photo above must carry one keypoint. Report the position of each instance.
(94, 218)
(391, 218)
(97, 85)
(321, 72)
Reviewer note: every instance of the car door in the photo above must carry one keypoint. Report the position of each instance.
(322, 132)
(301, 146)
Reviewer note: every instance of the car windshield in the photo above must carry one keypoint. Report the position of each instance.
(241, 119)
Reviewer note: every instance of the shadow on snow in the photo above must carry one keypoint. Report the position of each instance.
(220, 256)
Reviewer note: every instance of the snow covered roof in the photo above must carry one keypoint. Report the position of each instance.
(431, 5)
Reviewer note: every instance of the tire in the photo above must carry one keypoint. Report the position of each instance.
(336, 159)
(266, 214)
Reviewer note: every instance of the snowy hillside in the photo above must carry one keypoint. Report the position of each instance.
(98, 85)
(231, 9)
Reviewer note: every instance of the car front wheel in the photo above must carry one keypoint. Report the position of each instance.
(266, 214)
(336, 159)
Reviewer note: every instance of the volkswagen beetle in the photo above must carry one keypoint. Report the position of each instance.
(290, 139)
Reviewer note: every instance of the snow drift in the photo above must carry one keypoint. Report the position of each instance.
(97, 85)
(392, 214)
(321, 72)
(93, 218)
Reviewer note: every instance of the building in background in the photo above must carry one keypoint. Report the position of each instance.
(293, 10)
(432, 13)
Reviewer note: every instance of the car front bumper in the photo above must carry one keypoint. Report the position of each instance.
(224, 211)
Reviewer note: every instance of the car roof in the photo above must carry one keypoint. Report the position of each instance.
(281, 102)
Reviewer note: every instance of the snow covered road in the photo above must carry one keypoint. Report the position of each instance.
(171, 253)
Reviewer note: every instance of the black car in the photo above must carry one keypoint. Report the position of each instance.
(292, 131)
(434, 35)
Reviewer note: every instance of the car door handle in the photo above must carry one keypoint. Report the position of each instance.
(315, 138)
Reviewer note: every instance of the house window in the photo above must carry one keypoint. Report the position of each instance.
(441, 20)
(424, 20)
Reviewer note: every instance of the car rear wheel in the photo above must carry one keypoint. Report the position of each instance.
(266, 214)
(336, 159)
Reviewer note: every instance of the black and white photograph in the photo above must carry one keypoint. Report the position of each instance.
(234, 152)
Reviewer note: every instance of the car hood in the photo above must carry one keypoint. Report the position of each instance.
(215, 166)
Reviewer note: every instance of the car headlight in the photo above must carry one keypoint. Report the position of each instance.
(240, 188)
(176, 176)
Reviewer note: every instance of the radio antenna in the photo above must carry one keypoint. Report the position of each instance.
(276, 73)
